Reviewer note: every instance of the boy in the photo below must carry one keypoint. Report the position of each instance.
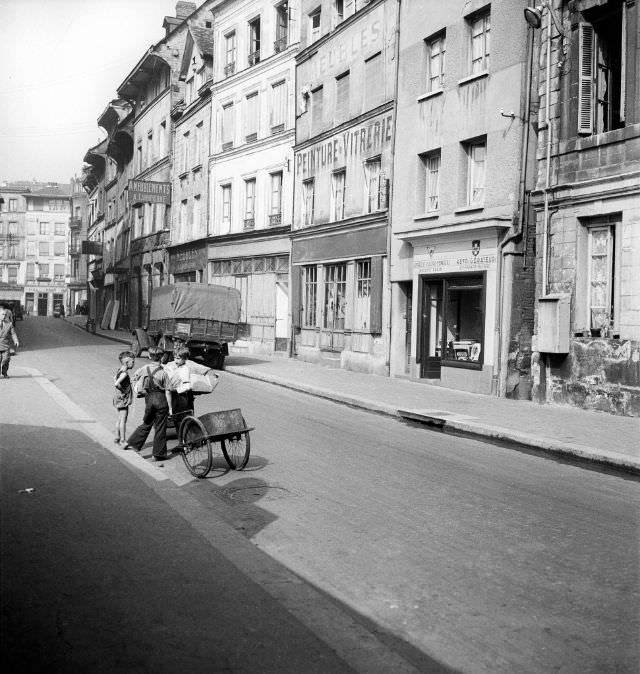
(7, 333)
(157, 407)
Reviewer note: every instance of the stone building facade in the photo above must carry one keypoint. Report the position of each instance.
(461, 264)
(345, 86)
(587, 198)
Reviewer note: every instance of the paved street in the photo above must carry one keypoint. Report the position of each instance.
(482, 558)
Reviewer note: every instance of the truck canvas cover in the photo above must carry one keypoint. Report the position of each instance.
(195, 300)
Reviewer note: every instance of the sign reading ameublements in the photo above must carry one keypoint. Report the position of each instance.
(149, 192)
(443, 265)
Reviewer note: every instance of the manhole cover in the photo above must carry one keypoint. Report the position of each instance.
(256, 493)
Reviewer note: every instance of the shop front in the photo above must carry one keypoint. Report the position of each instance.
(452, 306)
(188, 263)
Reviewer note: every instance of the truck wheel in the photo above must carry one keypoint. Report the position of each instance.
(218, 361)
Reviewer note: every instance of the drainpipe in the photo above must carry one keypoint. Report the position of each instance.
(547, 182)
(507, 246)
(390, 197)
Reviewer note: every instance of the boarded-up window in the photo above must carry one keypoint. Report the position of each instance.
(278, 107)
(252, 113)
(373, 81)
(342, 97)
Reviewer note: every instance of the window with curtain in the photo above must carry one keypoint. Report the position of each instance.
(275, 211)
(338, 180)
(476, 171)
(227, 126)
(308, 203)
(251, 117)
(436, 48)
(480, 36)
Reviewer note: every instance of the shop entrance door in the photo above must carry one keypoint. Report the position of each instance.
(431, 329)
(43, 303)
(335, 291)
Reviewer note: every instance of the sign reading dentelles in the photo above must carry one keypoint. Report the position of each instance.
(353, 145)
(149, 192)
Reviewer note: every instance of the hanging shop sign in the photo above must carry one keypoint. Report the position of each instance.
(91, 248)
(149, 192)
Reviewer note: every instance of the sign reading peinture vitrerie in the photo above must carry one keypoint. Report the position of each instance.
(149, 192)
(352, 145)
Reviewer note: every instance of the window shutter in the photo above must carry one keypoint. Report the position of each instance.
(376, 295)
(296, 291)
(585, 74)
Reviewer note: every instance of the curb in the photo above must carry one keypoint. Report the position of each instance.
(542, 445)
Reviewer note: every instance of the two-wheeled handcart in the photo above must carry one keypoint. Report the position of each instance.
(196, 436)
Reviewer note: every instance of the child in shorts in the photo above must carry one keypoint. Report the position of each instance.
(123, 396)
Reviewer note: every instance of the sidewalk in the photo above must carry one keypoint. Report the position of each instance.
(565, 432)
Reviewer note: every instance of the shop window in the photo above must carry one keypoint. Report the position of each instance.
(314, 25)
(476, 156)
(335, 302)
(362, 302)
(480, 42)
(308, 203)
(436, 49)
(310, 296)
(338, 181)
(601, 69)
(464, 319)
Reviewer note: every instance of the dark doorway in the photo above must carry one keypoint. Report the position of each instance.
(431, 329)
(43, 303)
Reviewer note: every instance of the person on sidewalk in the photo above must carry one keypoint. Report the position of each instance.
(157, 407)
(123, 396)
(7, 334)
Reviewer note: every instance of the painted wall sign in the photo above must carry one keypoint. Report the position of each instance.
(445, 265)
(147, 191)
(355, 144)
(187, 260)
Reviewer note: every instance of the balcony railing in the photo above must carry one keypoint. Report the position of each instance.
(75, 249)
(275, 219)
(249, 223)
(254, 57)
(75, 223)
(229, 69)
(280, 45)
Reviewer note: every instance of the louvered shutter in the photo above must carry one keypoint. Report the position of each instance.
(296, 291)
(585, 74)
(376, 295)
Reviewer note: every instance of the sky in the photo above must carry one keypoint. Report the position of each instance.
(61, 62)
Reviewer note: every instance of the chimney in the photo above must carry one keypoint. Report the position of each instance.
(184, 9)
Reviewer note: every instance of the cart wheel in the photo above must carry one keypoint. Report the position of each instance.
(196, 448)
(236, 450)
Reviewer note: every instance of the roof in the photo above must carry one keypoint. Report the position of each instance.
(52, 191)
(203, 38)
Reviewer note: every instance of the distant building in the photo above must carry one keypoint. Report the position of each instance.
(345, 86)
(77, 286)
(587, 200)
(34, 235)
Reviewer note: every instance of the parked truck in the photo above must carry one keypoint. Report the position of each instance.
(202, 317)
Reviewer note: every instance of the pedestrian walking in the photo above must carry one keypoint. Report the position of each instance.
(157, 406)
(7, 335)
(123, 396)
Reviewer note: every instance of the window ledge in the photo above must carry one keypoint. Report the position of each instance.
(430, 94)
(183, 175)
(471, 78)
(432, 215)
(469, 209)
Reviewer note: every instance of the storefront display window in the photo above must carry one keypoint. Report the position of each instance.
(464, 318)
(335, 296)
